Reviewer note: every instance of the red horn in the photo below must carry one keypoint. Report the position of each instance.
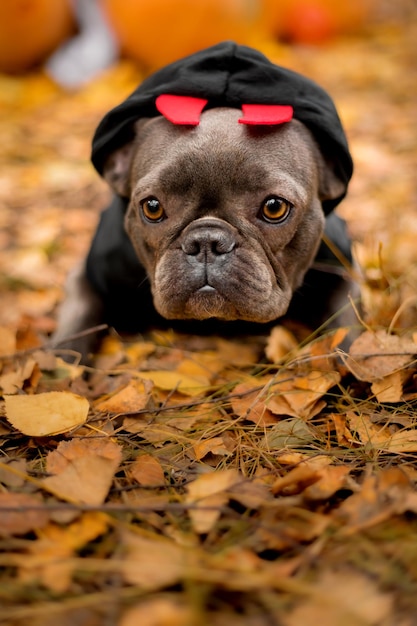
(262, 114)
(180, 109)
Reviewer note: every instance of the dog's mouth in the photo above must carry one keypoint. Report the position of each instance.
(213, 272)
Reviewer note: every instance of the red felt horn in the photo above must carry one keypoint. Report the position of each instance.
(180, 109)
(263, 114)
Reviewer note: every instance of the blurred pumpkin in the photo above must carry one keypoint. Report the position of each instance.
(313, 21)
(30, 30)
(156, 32)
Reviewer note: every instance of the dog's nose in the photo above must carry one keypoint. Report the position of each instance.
(206, 241)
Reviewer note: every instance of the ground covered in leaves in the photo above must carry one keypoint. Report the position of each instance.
(198, 480)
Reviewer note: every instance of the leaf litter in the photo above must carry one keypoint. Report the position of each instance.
(186, 480)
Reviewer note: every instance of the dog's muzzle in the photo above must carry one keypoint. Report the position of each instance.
(208, 244)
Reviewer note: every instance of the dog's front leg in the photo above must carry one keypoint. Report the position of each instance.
(81, 310)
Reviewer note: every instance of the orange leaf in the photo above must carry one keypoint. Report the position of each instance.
(83, 469)
(28, 514)
(147, 470)
(134, 397)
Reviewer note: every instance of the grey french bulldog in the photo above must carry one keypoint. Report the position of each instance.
(225, 170)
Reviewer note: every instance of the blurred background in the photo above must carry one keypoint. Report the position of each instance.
(64, 63)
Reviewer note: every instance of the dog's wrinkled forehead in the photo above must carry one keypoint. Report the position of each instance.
(227, 155)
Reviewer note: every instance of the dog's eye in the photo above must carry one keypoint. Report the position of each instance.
(275, 209)
(153, 209)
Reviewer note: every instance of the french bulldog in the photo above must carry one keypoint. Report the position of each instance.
(218, 215)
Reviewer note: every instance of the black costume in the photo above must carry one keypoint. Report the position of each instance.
(227, 75)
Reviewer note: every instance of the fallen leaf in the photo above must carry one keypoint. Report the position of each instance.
(303, 394)
(251, 405)
(390, 388)
(343, 597)
(7, 341)
(147, 471)
(46, 414)
(13, 473)
(170, 380)
(158, 612)
(368, 432)
(208, 493)
(48, 559)
(21, 513)
(280, 343)
(136, 396)
(215, 445)
(153, 562)
(331, 479)
(288, 433)
(83, 469)
(378, 499)
(374, 355)
(296, 480)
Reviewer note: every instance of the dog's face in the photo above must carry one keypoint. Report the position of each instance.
(226, 218)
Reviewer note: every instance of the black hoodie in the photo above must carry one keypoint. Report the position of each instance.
(226, 75)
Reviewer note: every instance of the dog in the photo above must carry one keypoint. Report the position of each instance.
(225, 170)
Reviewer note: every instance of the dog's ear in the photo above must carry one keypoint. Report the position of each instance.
(116, 169)
(118, 165)
(330, 186)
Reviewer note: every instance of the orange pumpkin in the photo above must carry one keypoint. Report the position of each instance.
(313, 21)
(156, 32)
(30, 30)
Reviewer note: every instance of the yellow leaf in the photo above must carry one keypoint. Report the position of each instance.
(390, 388)
(208, 493)
(46, 414)
(169, 380)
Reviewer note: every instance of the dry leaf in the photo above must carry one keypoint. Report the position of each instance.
(83, 469)
(390, 388)
(136, 396)
(215, 445)
(387, 354)
(170, 380)
(46, 414)
(7, 341)
(21, 513)
(208, 494)
(48, 559)
(280, 343)
(379, 499)
(147, 471)
(13, 473)
(288, 433)
(331, 479)
(345, 598)
(302, 396)
(251, 404)
(368, 432)
(12, 382)
(153, 562)
(158, 612)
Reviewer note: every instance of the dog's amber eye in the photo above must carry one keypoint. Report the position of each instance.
(275, 209)
(153, 210)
